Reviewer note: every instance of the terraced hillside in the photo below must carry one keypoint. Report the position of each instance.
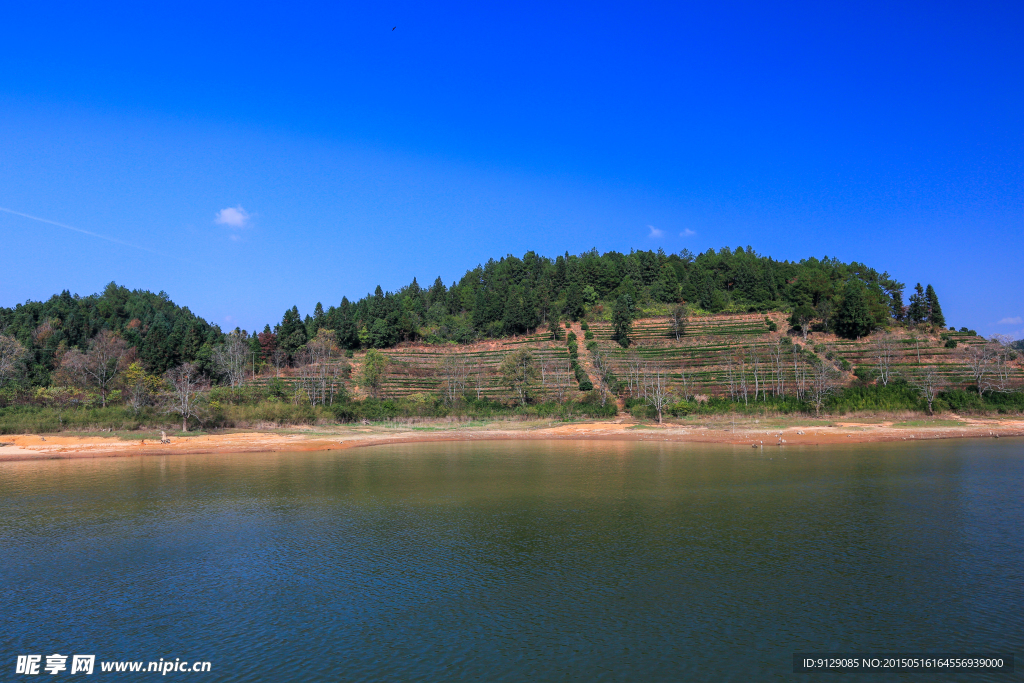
(714, 356)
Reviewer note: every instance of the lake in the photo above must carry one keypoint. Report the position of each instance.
(549, 560)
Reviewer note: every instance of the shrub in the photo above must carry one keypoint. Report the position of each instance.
(897, 395)
(958, 399)
(950, 343)
(642, 411)
(681, 409)
(581, 377)
(865, 374)
(588, 335)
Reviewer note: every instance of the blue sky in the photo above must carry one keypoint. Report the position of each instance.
(348, 154)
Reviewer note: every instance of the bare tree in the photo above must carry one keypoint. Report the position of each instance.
(978, 359)
(825, 381)
(730, 370)
(603, 370)
(755, 364)
(321, 368)
(478, 383)
(12, 357)
(916, 341)
(1000, 353)
(187, 386)
(799, 372)
(100, 365)
(518, 370)
(231, 358)
(634, 366)
(883, 348)
(928, 381)
(279, 357)
(742, 374)
(685, 383)
(678, 318)
(559, 377)
(775, 353)
(454, 369)
(656, 389)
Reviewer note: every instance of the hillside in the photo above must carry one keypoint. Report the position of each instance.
(718, 356)
(717, 331)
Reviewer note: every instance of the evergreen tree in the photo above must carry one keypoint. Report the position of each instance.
(622, 319)
(291, 333)
(853, 319)
(935, 316)
(895, 292)
(917, 312)
(666, 287)
(437, 291)
(574, 301)
(802, 317)
(318, 318)
(344, 324)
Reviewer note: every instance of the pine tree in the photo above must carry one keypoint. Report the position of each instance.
(917, 312)
(291, 334)
(935, 316)
(897, 310)
(574, 301)
(853, 320)
(622, 319)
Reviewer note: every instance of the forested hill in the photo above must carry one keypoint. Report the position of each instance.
(505, 297)
(514, 295)
(162, 333)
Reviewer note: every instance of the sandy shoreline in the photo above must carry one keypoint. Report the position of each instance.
(778, 432)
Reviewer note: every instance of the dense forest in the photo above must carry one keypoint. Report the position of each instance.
(516, 295)
(506, 297)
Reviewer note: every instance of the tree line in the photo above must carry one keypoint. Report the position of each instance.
(87, 341)
(513, 296)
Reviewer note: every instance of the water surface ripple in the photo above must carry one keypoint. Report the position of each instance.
(512, 560)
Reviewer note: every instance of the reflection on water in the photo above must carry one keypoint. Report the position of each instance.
(508, 560)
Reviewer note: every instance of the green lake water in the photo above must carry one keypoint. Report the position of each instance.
(509, 561)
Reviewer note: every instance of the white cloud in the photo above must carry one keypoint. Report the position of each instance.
(655, 232)
(233, 217)
(687, 233)
(1011, 321)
